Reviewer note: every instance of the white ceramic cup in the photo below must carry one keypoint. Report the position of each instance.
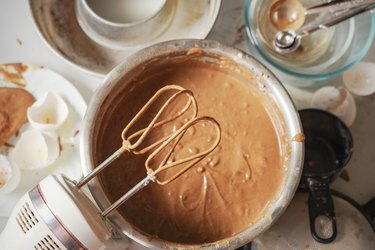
(119, 24)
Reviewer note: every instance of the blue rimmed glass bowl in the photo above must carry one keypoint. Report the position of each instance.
(323, 55)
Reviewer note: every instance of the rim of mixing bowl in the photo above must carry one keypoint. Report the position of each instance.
(272, 87)
(360, 55)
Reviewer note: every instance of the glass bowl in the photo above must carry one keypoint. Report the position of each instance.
(322, 55)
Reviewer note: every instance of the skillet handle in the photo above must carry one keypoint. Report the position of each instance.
(370, 211)
(321, 208)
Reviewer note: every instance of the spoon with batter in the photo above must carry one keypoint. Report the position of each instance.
(291, 14)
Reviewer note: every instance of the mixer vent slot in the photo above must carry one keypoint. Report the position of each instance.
(47, 243)
(26, 218)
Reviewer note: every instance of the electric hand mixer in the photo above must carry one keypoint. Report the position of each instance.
(55, 214)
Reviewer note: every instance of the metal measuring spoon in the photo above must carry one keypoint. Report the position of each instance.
(288, 40)
(328, 148)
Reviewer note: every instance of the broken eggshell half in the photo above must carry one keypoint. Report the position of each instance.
(10, 175)
(336, 100)
(35, 150)
(360, 79)
(48, 113)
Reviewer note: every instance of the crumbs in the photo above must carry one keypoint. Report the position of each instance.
(240, 35)
(345, 175)
(13, 73)
(300, 137)
(19, 41)
(191, 53)
(60, 145)
(6, 144)
(194, 52)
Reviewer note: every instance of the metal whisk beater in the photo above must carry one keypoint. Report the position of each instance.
(133, 143)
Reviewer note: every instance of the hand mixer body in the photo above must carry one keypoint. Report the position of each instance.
(55, 215)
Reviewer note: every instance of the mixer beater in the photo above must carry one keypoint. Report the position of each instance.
(57, 215)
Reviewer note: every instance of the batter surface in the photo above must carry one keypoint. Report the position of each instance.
(223, 194)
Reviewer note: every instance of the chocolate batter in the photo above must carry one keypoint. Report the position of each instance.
(223, 194)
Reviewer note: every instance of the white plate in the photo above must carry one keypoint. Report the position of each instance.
(58, 26)
(39, 80)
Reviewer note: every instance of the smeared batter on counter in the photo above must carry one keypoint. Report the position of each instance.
(223, 194)
(13, 105)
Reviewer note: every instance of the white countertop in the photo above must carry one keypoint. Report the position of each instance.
(20, 42)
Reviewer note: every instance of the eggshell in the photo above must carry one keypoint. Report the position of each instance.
(48, 113)
(35, 150)
(336, 100)
(360, 79)
(10, 175)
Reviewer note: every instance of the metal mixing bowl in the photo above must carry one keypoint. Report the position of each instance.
(276, 100)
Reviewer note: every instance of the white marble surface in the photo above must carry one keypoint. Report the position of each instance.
(20, 42)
